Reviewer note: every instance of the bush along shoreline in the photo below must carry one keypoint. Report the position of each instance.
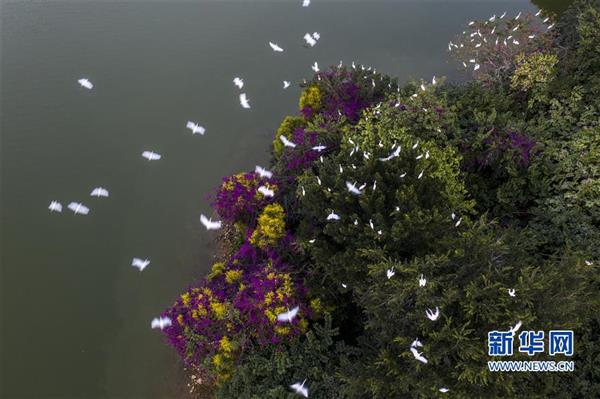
(426, 211)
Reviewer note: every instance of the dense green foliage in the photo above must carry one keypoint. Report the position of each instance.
(479, 187)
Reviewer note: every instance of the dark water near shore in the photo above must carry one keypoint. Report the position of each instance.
(74, 315)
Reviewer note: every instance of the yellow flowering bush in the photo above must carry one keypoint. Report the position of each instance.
(271, 226)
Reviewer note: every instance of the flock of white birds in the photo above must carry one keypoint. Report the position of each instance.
(311, 39)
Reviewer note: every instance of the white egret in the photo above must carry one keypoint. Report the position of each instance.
(418, 355)
(286, 84)
(352, 188)
(239, 82)
(209, 224)
(99, 192)
(516, 327)
(85, 83)
(421, 174)
(151, 156)
(300, 389)
(416, 343)
(55, 206)
(319, 148)
(390, 273)
(431, 315)
(275, 47)
(78, 208)
(289, 315)
(140, 263)
(195, 128)
(160, 322)
(286, 142)
(512, 292)
(310, 40)
(305, 3)
(244, 101)
(315, 67)
(333, 216)
(443, 390)
(266, 191)
(458, 222)
(422, 281)
(262, 172)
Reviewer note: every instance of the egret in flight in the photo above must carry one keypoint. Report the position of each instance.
(289, 315)
(239, 82)
(209, 224)
(286, 142)
(418, 355)
(267, 192)
(99, 192)
(151, 156)
(244, 101)
(275, 47)
(431, 315)
(140, 263)
(160, 322)
(78, 208)
(352, 188)
(55, 206)
(286, 84)
(262, 172)
(195, 128)
(333, 216)
(86, 83)
(300, 389)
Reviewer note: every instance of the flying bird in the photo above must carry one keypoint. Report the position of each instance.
(416, 343)
(422, 281)
(195, 128)
(286, 142)
(239, 82)
(310, 40)
(244, 101)
(319, 148)
(305, 3)
(55, 206)
(458, 222)
(78, 208)
(151, 156)
(99, 192)
(431, 315)
(390, 273)
(394, 154)
(352, 188)
(511, 292)
(266, 191)
(160, 322)
(443, 390)
(421, 174)
(286, 84)
(262, 172)
(139, 263)
(275, 47)
(209, 224)
(418, 355)
(289, 315)
(333, 216)
(315, 67)
(297, 387)
(86, 83)
(514, 329)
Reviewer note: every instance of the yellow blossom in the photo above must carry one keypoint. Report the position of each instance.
(232, 276)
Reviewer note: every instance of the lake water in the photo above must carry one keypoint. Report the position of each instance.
(74, 314)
